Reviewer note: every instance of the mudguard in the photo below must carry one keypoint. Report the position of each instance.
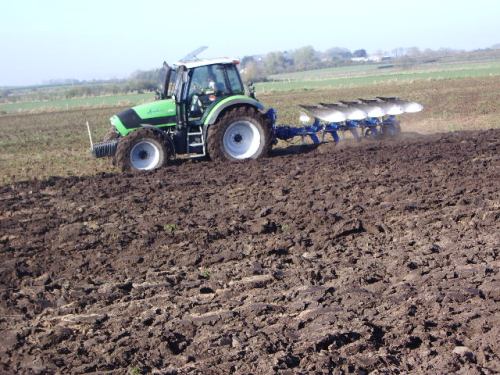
(212, 114)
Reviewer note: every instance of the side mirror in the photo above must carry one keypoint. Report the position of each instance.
(251, 89)
(159, 95)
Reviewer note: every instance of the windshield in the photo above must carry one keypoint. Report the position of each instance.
(208, 79)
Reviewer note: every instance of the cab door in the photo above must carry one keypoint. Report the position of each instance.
(207, 84)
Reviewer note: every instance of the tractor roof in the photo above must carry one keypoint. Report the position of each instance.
(197, 63)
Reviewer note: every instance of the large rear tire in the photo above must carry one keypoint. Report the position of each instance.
(242, 133)
(143, 150)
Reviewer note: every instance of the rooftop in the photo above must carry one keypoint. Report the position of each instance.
(202, 62)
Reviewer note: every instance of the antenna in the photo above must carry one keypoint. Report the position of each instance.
(194, 54)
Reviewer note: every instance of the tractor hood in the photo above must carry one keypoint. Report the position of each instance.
(160, 113)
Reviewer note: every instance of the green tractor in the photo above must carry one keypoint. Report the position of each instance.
(201, 110)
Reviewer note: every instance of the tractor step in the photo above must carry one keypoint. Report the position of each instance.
(196, 140)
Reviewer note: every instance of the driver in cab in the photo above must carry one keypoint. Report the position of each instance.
(207, 91)
(214, 88)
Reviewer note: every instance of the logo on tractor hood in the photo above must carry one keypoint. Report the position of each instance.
(153, 110)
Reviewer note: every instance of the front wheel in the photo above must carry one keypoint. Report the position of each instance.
(143, 150)
(242, 133)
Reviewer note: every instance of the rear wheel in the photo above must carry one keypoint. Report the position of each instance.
(242, 133)
(143, 150)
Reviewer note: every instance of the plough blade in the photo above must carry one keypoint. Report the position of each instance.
(362, 109)
(325, 114)
(369, 118)
(390, 109)
(371, 110)
(351, 113)
(408, 107)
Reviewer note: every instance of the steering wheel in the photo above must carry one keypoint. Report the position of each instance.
(196, 89)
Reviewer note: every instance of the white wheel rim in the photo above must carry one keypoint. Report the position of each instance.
(144, 156)
(241, 140)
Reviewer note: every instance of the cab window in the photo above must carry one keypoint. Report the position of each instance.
(207, 80)
(199, 79)
(234, 79)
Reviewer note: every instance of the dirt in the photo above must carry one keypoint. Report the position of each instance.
(378, 258)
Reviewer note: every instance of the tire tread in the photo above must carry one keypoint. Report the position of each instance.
(122, 156)
(216, 131)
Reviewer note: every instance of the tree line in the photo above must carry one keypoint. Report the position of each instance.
(253, 68)
(257, 68)
(260, 67)
(138, 82)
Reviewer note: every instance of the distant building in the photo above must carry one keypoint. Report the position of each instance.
(372, 58)
(360, 59)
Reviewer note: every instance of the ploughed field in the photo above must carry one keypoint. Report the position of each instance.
(344, 259)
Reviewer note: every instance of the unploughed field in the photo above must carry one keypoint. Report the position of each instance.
(361, 75)
(76, 103)
(378, 257)
(44, 144)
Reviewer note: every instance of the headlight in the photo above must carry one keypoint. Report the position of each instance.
(305, 119)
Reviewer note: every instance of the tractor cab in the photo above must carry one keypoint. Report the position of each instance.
(196, 86)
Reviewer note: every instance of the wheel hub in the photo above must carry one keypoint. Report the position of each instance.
(145, 155)
(241, 140)
(238, 138)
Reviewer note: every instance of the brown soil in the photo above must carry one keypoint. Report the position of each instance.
(380, 257)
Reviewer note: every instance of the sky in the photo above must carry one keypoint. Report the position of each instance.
(102, 39)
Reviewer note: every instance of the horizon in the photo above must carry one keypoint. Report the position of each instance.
(59, 81)
(58, 36)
